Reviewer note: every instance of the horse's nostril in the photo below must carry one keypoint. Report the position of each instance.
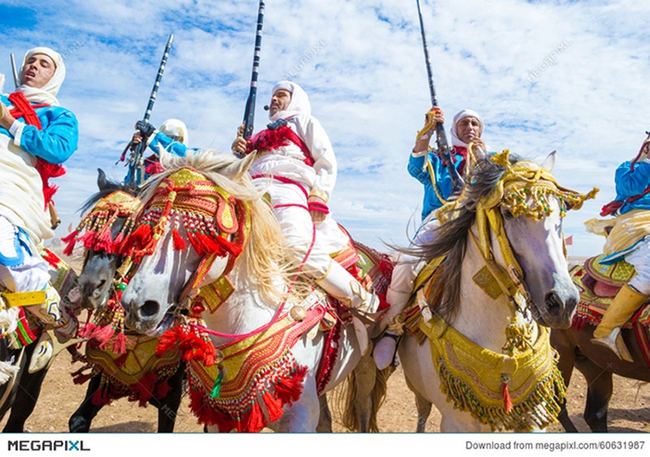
(150, 308)
(553, 304)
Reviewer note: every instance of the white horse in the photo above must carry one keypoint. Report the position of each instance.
(171, 259)
(486, 363)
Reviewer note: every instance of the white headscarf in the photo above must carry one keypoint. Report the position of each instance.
(462, 114)
(2, 83)
(175, 128)
(299, 103)
(46, 94)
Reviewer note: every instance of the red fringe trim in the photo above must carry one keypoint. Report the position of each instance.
(191, 345)
(179, 242)
(288, 390)
(507, 401)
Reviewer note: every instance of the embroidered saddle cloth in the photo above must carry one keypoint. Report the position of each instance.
(598, 284)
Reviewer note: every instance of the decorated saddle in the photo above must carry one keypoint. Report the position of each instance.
(244, 385)
(598, 284)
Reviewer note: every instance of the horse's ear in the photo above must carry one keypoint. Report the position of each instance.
(549, 162)
(237, 169)
(102, 182)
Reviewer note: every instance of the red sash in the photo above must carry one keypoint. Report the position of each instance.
(24, 109)
(270, 140)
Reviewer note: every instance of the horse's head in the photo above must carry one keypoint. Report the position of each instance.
(190, 232)
(101, 232)
(516, 209)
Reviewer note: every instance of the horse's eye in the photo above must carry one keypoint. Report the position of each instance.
(507, 214)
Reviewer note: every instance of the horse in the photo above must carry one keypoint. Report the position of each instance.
(106, 220)
(598, 364)
(210, 277)
(496, 279)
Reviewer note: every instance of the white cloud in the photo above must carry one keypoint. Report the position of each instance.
(367, 85)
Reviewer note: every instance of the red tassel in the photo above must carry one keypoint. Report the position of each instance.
(104, 242)
(179, 242)
(87, 330)
(70, 240)
(288, 390)
(196, 244)
(507, 401)
(119, 344)
(102, 335)
(255, 420)
(273, 406)
(142, 236)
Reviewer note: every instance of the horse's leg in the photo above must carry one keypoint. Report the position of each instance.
(27, 393)
(168, 406)
(424, 410)
(566, 348)
(599, 393)
(82, 418)
(423, 406)
(362, 403)
(304, 414)
(325, 416)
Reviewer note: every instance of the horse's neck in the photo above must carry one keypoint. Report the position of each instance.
(480, 318)
(245, 309)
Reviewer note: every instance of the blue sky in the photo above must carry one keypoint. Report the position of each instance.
(545, 75)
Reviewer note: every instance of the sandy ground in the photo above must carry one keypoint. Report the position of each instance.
(629, 409)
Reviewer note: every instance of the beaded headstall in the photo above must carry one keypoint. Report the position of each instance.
(94, 229)
(215, 222)
(525, 189)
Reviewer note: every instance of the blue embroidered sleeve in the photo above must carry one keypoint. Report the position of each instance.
(418, 169)
(168, 144)
(58, 138)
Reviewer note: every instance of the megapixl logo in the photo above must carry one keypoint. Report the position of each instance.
(46, 445)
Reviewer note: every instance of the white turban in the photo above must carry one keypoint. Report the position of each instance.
(175, 128)
(2, 83)
(299, 103)
(463, 114)
(46, 94)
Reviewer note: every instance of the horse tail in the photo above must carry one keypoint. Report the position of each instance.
(360, 402)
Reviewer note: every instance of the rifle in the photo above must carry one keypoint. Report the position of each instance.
(249, 113)
(136, 167)
(13, 70)
(441, 136)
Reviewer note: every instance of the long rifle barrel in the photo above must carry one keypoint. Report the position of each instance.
(249, 114)
(136, 168)
(156, 85)
(441, 136)
(14, 71)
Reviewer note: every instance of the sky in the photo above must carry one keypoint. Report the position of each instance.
(544, 75)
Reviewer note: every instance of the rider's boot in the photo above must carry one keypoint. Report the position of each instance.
(340, 284)
(65, 325)
(384, 352)
(608, 333)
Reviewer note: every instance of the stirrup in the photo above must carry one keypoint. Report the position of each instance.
(614, 342)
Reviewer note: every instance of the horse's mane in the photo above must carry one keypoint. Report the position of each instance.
(450, 239)
(264, 253)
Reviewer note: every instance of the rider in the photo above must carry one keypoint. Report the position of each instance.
(172, 136)
(36, 136)
(431, 170)
(628, 239)
(295, 159)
